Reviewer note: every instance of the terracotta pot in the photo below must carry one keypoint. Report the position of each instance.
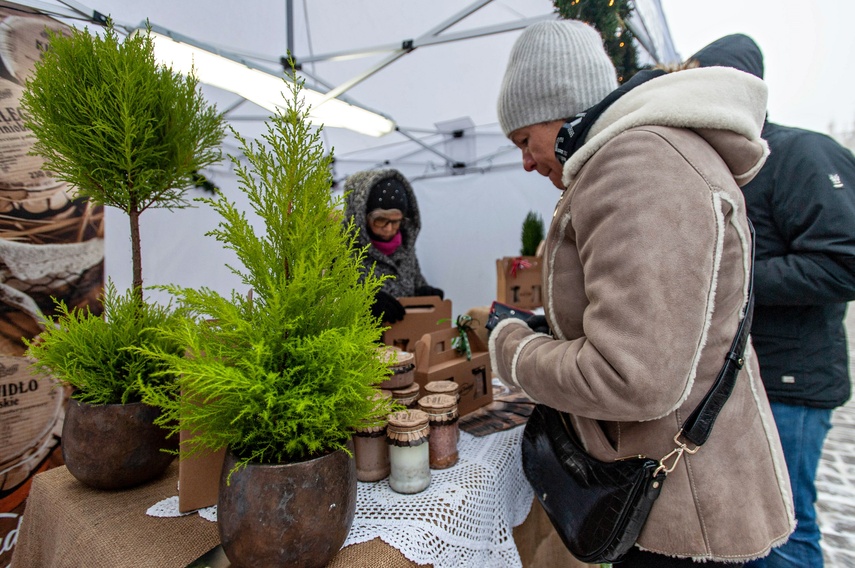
(295, 514)
(114, 446)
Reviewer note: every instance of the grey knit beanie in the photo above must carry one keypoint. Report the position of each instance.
(557, 69)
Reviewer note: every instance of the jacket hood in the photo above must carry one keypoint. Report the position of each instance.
(738, 51)
(725, 106)
(356, 190)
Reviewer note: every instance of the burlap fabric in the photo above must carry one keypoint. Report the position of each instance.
(67, 525)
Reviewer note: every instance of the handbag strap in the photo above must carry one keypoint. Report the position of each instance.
(697, 427)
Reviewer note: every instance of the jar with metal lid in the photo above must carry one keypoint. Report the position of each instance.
(407, 435)
(370, 450)
(443, 387)
(407, 396)
(441, 410)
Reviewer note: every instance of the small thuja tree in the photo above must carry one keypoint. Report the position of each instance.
(532, 233)
(285, 372)
(121, 128)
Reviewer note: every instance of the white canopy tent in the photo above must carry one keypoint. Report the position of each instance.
(432, 66)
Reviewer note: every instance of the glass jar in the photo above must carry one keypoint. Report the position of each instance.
(407, 435)
(441, 410)
(407, 396)
(443, 387)
(371, 453)
(401, 364)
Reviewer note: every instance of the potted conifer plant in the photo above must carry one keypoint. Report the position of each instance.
(532, 234)
(518, 277)
(281, 376)
(129, 133)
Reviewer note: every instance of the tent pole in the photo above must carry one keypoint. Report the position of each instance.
(450, 162)
(289, 27)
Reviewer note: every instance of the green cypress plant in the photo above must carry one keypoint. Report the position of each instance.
(287, 371)
(532, 233)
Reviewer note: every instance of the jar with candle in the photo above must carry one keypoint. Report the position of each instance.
(370, 450)
(443, 387)
(441, 410)
(407, 396)
(402, 366)
(407, 435)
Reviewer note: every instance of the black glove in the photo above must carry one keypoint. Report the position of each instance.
(387, 308)
(538, 324)
(430, 291)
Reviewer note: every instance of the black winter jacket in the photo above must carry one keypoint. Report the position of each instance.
(802, 204)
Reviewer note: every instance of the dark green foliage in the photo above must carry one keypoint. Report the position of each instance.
(286, 372)
(609, 17)
(95, 354)
(124, 130)
(532, 233)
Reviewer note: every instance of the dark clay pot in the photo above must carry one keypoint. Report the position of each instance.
(296, 514)
(114, 446)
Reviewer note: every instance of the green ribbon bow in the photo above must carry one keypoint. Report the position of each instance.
(461, 343)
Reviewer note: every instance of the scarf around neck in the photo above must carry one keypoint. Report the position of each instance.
(572, 135)
(390, 246)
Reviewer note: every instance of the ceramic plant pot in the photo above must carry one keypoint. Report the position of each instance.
(296, 514)
(114, 446)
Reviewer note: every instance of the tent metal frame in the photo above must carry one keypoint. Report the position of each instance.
(433, 36)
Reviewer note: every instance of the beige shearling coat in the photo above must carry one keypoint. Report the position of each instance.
(645, 276)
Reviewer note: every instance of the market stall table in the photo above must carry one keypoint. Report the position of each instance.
(67, 524)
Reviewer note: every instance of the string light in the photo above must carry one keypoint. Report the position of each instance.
(608, 18)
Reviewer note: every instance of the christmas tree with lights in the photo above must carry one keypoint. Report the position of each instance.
(608, 17)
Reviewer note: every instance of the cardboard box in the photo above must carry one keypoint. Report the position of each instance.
(519, 281)
(438, 360)
(424, 314)
(198, 475)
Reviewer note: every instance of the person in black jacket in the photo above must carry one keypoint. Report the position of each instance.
(802, 204)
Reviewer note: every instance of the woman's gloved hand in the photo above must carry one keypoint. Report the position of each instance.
(539, 324)
(430, 291)
(387, 308)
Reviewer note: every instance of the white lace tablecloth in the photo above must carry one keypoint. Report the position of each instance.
(464, 519)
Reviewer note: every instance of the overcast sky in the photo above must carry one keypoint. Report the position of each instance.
(808, 48)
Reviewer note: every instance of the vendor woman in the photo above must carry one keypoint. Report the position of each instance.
(383, 207)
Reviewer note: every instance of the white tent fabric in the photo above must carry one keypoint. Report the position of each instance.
(471, 215)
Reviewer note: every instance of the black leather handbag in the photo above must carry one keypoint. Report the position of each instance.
(599, 508)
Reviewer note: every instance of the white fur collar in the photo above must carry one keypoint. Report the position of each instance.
(711, 97)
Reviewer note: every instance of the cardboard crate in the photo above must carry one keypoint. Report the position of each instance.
(437, 360)
(517, 285)
(424, 314)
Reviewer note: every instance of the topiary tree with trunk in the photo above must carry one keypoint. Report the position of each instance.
(123, 129)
